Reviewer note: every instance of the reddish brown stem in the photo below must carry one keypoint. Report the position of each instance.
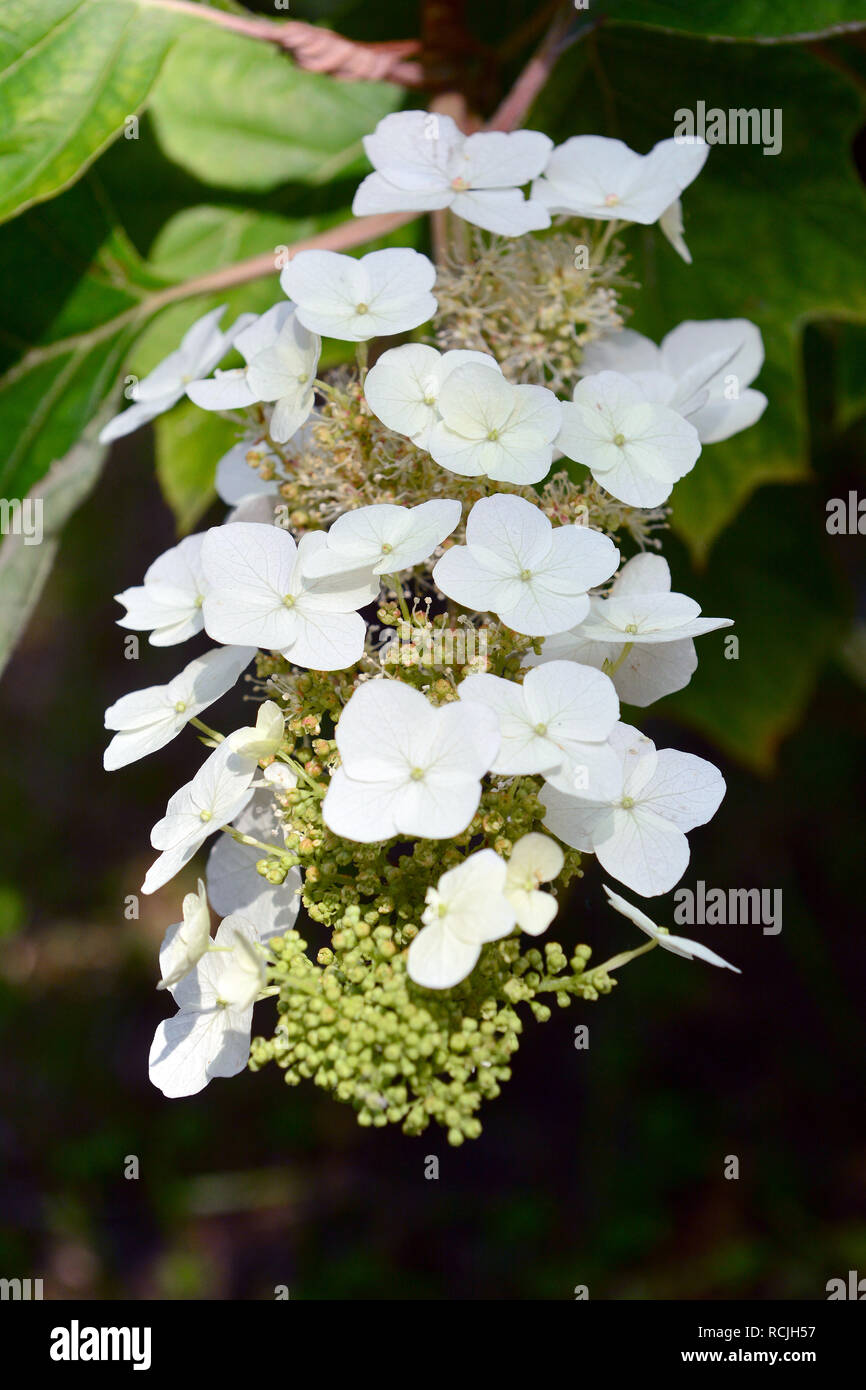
(337, 238)
(512, 110)
(317, 50)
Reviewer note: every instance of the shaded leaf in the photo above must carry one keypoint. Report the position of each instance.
(71, 72)
(772, 573)
(850, 358)
(236, 113)
(767, 20)
(25, 567)
(69, 332)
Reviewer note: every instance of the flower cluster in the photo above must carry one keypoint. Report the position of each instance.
(422, 573)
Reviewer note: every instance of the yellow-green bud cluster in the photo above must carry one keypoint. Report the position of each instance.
(351, 1020)
(356, 1025)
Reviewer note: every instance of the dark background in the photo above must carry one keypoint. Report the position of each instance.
(602, 1168)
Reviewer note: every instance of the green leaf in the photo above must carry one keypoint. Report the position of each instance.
(777, 239)
(69, 332)
(850, 355)
(207, 237)
(25, 567)
(237, 114)
(770, 572)
(761, 20)
(71, 73)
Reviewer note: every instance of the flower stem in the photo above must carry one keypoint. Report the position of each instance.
(609, 667)
(610, 231)
(394, 581)
(211, 733)
(616, 962)
(557, 985)
(514, 107)
(243, 839)
(300, 771)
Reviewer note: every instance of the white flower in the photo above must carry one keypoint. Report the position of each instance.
(638, 835)
(218, 792)
(210, 1035)
(424, 161)
(488, 427)
(202, 347)
(169, 601)
(701, 369)
(677, 945)
(384, 538)
(147, 720)
(643, 614)
(671, 226)
(593, 176)
(238, 480)
(382, 293)
(515, 564)
(284, 373)
(262, 739)
(402, 389)
(242, 974)
(248, 477)
(280, 776)
(636, 448)
(233, 882)
(556, 722)
(231, 390)
(467, 907)
(186, 942)
(257, 586)
(408, 767)
(535, 859)
(282, 358)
